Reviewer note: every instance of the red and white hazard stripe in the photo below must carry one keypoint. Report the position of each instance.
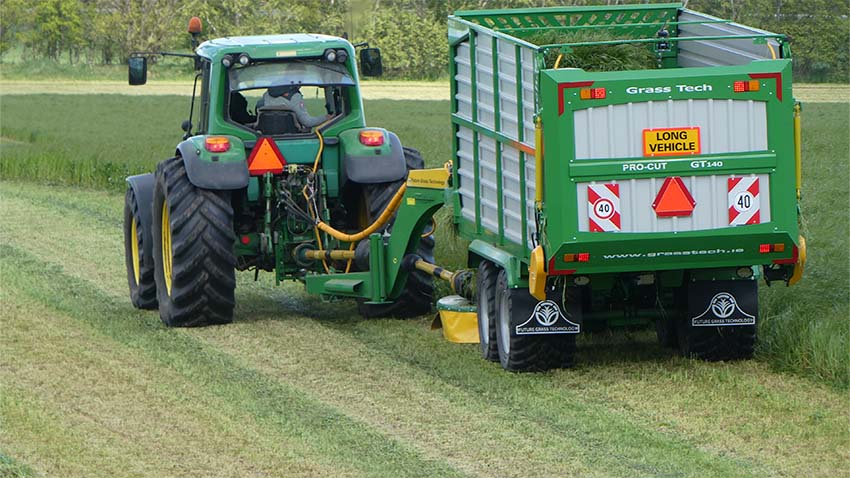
(603, 207)
(744, 201)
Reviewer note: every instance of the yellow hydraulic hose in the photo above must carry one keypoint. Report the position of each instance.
(558, 61)
(314, 214)
(772, 51)
(385, 216)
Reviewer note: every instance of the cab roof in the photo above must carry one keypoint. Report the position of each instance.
(272, 46)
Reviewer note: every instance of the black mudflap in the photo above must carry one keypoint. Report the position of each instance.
(722, 303)
(720, 323)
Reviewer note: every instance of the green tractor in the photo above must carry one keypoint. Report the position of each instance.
(277, 171)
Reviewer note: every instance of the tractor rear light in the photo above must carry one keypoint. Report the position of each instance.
(744, 86)
(371, 137)
(217, 144)
(244, 59)
(245, 240)
(583, 257)
(592, 93)
(764, 248)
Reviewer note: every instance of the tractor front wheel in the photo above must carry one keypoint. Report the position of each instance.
(193, 250)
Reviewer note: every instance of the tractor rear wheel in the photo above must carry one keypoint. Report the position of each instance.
(140, 270)
(488, 272)
(534, 352)
(418, 293)
(193, 250)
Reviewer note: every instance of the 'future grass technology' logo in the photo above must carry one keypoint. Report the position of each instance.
(547, 318)
(723, 309)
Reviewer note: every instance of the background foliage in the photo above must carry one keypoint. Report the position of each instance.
(411, 33)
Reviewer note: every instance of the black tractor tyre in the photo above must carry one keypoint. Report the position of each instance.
(202, 261)
(140, 270)
(527, 353)
(418, 293)
(488, 273)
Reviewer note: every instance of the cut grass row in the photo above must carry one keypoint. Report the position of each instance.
(96, 141)
(298, 387)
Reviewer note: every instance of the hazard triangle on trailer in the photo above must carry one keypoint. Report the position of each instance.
(265, 158)
(673, 199)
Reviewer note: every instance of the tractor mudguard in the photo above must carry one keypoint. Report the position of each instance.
(142, 186)
(214, 171)
(372, 164)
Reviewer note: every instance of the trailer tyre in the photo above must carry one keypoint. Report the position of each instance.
(140, 269)
(418, 293)
(526, 353)
(193, 250)
(486, 294)
(729, 342)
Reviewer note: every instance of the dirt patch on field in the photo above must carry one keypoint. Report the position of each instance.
(372, 90)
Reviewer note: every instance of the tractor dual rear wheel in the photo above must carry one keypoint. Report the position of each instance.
(140, 268)
(193, 250)
(418, 293)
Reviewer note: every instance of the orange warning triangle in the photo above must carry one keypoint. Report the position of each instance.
(673, 199)
(265, 158)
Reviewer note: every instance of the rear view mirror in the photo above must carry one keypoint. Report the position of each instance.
(138, 70)
(370, 62)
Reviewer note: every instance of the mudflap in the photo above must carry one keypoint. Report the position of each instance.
(547, 317)
(720, 323)
(722, 303)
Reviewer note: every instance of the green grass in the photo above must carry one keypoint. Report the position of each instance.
(300, 387)
(96, 141)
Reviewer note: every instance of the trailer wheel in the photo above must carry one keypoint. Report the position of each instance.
(728, 342)
(193, 250)
(525, 353)
(666, 325)
(140, 270)
(418, 293)
(486, 295)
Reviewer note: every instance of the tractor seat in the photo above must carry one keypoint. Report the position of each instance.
(273, 120)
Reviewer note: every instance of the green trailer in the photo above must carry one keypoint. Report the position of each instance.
(611, 198)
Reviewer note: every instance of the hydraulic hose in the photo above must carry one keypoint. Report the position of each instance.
(385, 216)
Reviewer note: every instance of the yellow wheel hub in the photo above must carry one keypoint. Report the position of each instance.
(134, 247)
(166, 247)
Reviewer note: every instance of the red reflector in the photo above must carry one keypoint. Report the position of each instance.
(583, 257)
(598, 93)
(246, 240)
(739, 86)
(216, 144)
(764, 248)
(371, 138)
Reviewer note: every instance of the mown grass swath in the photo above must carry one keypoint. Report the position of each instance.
(95, 141)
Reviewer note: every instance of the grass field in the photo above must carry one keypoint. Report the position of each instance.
(299, 387)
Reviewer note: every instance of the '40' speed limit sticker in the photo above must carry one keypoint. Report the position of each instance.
(603, 207)
(744, 201)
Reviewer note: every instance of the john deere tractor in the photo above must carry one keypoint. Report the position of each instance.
(277, 171)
